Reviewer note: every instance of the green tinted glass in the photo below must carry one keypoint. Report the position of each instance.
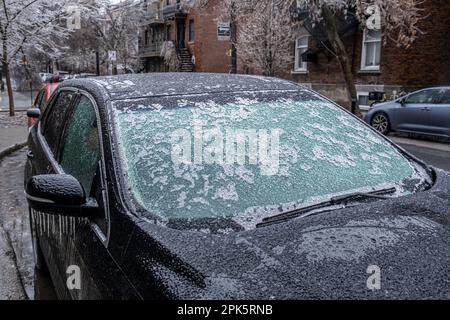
(81, 151)
(248, 158)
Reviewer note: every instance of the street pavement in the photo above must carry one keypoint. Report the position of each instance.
(433, 153)
(22, 100)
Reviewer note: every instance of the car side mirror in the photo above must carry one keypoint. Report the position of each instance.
(60, 194)
(34, 113)
(402, 102)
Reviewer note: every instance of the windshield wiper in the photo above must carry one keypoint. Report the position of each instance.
(334, 201)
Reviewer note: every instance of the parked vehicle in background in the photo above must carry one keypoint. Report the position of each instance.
(122, 69)
(40, 102)
(425, 111)
(83, 75)
(114, 189)
(45, 76)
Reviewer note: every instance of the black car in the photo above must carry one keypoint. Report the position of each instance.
(208, 186)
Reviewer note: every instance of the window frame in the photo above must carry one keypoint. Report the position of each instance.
(191, 30)
(103, 237)
(298, 56)
(364, 67)
(39, 98)
(363, 94)
(441, 101)
(436, 99)
(42, 128)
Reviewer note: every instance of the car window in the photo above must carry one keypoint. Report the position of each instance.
(81, 147)
(39, 99)
(425, 96)
(445, 98)
(55, 119)
(249, 155)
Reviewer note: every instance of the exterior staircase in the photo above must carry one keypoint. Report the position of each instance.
(185, 60)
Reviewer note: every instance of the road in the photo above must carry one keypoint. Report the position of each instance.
(437, 158)
(14, 220)
(433, 153)
(22, 100)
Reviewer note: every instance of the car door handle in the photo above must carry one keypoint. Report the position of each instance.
(30, 155)
(426, 109)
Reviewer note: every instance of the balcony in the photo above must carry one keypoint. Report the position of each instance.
(173, 10)
(152, 17)
(150, 50)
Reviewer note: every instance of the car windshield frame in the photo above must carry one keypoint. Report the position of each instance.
(133, 205)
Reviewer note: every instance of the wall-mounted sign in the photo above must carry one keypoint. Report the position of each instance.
(223, 31)
(112, 55)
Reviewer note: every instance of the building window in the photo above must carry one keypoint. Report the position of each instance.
(146, 38)
(371, 51)
(364, 101)
(191, 30)
(301, 46)
(169, 33)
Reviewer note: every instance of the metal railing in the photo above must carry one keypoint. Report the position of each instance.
(151, 50)
(152, 17)
(172, 9)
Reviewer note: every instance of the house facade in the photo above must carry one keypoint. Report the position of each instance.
(379, 65)
(201, 41)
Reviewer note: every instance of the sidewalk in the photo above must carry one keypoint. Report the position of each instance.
(14, 233)
(10, 284)
(13, 130)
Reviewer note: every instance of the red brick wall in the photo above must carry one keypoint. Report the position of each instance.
(426, 63)
(210, 53)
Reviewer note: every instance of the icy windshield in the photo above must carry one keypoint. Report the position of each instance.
(248, 156)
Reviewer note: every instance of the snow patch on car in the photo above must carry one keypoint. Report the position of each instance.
(357, 239)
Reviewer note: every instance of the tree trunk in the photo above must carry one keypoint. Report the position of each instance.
(9, 88)
(343, 59)
(8, 80)
(233, 31)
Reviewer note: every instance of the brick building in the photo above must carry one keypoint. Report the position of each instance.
(378, 66)
(201, 41)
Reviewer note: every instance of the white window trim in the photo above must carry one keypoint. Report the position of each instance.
(364, 53)
(363, 94)
(297, 57)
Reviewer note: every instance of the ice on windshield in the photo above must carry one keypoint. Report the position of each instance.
(248, 157)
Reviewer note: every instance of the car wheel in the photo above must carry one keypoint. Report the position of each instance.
(39, 262)
(380, 121)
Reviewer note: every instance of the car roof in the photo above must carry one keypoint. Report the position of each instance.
(131, 86)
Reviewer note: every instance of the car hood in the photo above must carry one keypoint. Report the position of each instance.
(327, 256)
(384, 104)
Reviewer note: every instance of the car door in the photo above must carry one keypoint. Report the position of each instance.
(78, 155)
(86, 240)
(440, 114)
(43, 145)
(414, 114)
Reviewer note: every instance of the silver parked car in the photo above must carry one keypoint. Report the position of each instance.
(426, 111)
